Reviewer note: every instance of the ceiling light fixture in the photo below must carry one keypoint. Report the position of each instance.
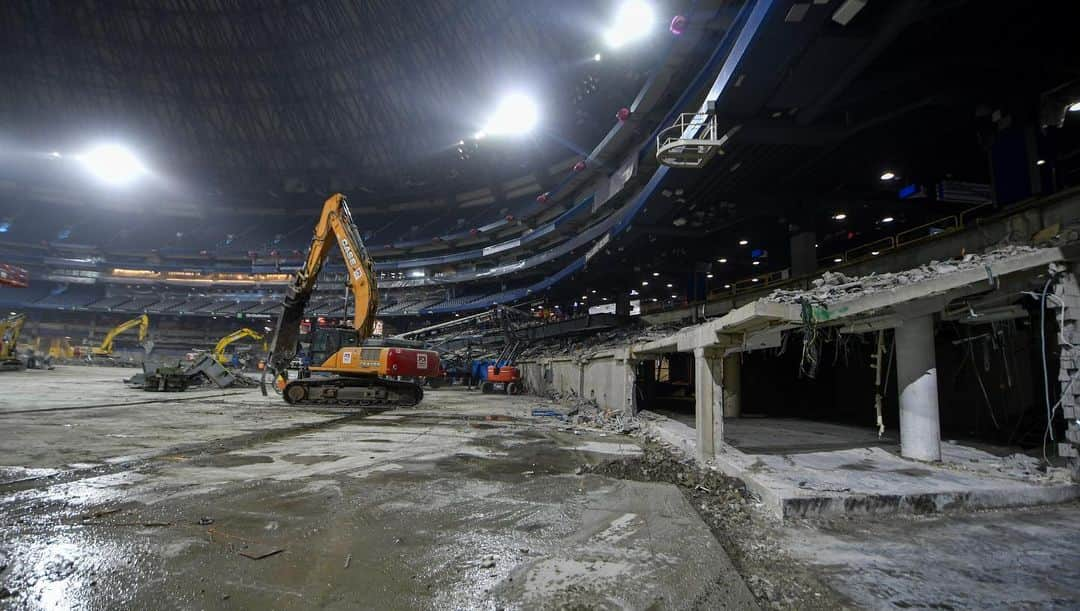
(1040, 162)
(645, 283)
(756, 263)
(709, 276)
(727, 286)
(888, 175)
(597, 57)
(515, 114)
(655, 274)
(1074, 107)
(113, 164)
(838, 260)
(887, 219)
(670, 285)
(722, 260)
(743, 242)
(839, 216)
(875, 252)
(633, 20)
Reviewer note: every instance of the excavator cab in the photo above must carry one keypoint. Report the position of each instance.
(325, 341)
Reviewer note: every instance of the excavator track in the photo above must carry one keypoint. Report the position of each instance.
(367, 391)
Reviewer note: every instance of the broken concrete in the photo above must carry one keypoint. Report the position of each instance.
(836, 287)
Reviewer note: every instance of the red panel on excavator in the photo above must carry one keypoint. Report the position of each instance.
(410, 362)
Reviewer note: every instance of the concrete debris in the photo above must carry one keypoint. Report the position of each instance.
(834, 287)
(958, 457)
(607, 420)
(256, 551)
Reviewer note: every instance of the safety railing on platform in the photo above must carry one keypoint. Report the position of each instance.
(929, 230)
(926, 231)
(872, 249)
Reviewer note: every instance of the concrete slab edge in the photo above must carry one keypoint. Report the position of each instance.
(682, 438)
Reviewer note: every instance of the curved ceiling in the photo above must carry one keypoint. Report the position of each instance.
(307, 97)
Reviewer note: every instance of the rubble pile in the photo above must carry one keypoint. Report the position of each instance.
(606, 420)
(835, 286)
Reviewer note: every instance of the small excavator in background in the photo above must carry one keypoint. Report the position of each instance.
(106, 347)
(235, 336)
(345, 368)
(10, 329)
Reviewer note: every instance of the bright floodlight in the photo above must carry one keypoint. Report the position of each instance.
(113, 164)
(633, 21)
(1074, 107)
(515, 114)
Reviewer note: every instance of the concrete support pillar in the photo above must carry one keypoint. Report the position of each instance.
(732, 386)
(630, 406)
(622, 303)
(708, 413)
(916, 369)
(803, 253)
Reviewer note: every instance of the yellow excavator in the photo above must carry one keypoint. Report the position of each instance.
(10, 329)
(343, 370)
(235, 336)
(106, 347)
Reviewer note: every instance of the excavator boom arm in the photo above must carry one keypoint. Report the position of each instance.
(142, 322)
(235, 336)
(335, 224)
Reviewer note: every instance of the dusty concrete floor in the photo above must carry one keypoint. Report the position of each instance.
(117, 498)
(228, 499)
(1025, 558)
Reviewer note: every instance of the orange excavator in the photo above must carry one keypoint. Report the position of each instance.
(349, 370)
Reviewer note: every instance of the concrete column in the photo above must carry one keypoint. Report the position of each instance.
(916, 372)
(803, 253)
(630, 406)
(708, 414)
(732, 386)
(622, 303)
